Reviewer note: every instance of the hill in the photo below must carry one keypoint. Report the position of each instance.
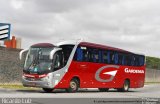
(153, 62)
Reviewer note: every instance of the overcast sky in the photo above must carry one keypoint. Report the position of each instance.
(133, 25)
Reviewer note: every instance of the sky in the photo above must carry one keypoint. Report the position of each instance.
(133, 25)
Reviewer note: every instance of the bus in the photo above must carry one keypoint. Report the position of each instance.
(72, 65)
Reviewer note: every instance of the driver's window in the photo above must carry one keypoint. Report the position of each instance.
(58, 61)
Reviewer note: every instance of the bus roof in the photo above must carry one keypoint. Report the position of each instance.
(70, 42)
(103, 47)
(82, 43)
(45, 45)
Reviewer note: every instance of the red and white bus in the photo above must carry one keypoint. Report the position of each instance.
(71, 65)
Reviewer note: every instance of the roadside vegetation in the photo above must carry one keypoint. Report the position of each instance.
(16, 86)
(153, 62)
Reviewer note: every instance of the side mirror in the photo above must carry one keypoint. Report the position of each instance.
(53, 52)
(21, 53)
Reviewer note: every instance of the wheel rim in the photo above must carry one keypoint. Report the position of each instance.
(73, 85)
(126, 86)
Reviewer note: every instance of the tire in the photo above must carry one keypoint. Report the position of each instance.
(73, 86)
(103, 89)
(48, 90)
(125, 87)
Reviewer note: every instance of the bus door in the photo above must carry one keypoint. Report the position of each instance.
(83, 65)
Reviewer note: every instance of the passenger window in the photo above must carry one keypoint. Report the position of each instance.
(133, 60)
(116, 58)
(100, 56)
(136, 61)
(120, 59)
(128, 60)
(81, 54)
(105, 56)
(123, 60)
(141, 60)
(85, 55)
(90, 54)
(95, 55)
(112, 57)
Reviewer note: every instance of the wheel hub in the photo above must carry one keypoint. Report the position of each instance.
(73, 85)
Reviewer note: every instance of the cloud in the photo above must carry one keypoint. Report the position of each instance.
(133, 25)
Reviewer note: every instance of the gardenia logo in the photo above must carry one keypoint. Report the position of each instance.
(127, 70)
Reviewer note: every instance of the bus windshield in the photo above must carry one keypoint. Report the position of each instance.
(37, 60)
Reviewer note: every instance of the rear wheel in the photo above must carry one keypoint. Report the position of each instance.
(125, 87)
(103, 89)
(47, 89)
(73, 86)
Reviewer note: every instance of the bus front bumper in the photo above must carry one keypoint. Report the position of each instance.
(35, 83)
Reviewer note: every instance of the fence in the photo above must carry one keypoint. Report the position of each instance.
(152, 75)
(10, 65)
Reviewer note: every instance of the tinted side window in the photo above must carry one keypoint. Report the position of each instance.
(81, 54)
(141, 60)
(111, 57)
(115, 58)
(128, 60)
(94, 55)
(138, 60)
(120, 59)
(108, 57)
(90, 54)
(100, 56)
(105, 56)
(85, 54)
(133, 60)
(124, 59)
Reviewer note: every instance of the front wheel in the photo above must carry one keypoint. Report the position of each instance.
(125, 87)
(73, 87)
(47, 89)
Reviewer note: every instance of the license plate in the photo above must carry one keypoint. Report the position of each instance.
(32, 84)
(32, 79)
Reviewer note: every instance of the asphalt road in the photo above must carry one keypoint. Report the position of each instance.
(148, 91)
(152, 90)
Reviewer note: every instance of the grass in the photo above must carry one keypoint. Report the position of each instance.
(16, 86)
